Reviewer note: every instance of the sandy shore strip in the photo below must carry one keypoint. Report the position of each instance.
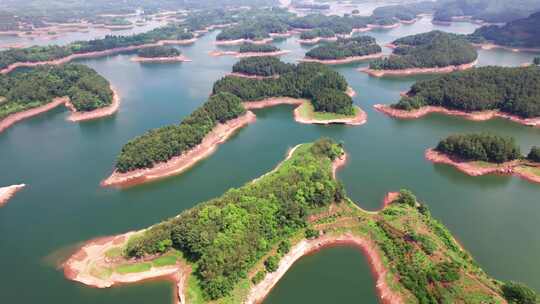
(491, 46)
(343, 60)
(516, 168)
(16, 117)
(317, 40)
(69, 58)
(243, 75)
(305, 247)
(474, 116)
(97, 113)
(8, 192)
(180, 58)
(416, 71)
(248, 54)
(359, 119)
(180, 163)
(242, 41)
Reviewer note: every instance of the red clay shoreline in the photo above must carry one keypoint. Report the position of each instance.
(474, 116)
(74, 116)
(343, 60)
(416, 71)
(180, 163)
(69, 58)
(470, 168)
(6, 193)
(180, 58)
(248, 54)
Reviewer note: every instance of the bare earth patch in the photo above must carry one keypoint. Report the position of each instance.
(8, 192)
(416, 71)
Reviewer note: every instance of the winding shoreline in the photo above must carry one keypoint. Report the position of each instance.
(490, 46)
(305, 247)
(474, 116)
(417, 71)
(75, 116)
(343, 60)
(96, 54)
(511, 168)
(248, 54)
(180, 58)
(179, 164)
(243, 75)
(242, 41)
(6, 193)
(317, 40)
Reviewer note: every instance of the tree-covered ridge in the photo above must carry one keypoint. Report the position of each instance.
(317, 33)
(254, 29)
(86, 89)
(428, 50)
(534, 154)
(316, 82)
(487, 10)
(257, 48)
(511, 90)
(53, 52)
(162, 144)
(406, 12)
(519, 33)
(480, 147)
(344, 48)
(158, 52)
(226, 236)
(262, 66)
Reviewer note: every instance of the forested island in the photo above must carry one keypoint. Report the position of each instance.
(235, 248)
(477, 94)
(406, 13)
(519, 34)
(345, 50)
(484, 10)
(32, 92)
(322, 93)
(483, 153)
(159, 54)
(431, 52)
(54, 54)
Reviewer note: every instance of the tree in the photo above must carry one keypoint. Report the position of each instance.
(272, 263)
(534, 154)
(519, 293)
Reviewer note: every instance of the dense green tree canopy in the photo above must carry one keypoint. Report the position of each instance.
(428, 50)
(86, 89)
(226, 236)
(262, 66)
(162, 144)
(511, 90)
(534, 154)
(405, 11)
(159, 51)
(519, 293)
(480, 147)
(519, 33)
(487, 10)
(257, 48)
(254, 30)
(343, 48)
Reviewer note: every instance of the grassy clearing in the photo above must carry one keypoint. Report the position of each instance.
(165, 260)
(307, 111)
(133, 268)
(529, 169)
(114, 252)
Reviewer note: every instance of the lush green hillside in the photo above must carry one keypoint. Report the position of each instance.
(316, 82)
(428, 50)
(86, 89)
(343, 48)
(262, 66)
(519, 33)
(480, 147)
(254, 29)
(257, 48)
(159, 51)
(232, 242)
(162, 144)
(511, 90)
(405, 12)
(487, 10)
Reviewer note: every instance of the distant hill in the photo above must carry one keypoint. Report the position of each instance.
(495, 11)
(519, 33)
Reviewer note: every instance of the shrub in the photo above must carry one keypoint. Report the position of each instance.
(258, 277)
(272, 263)
(519, 293)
